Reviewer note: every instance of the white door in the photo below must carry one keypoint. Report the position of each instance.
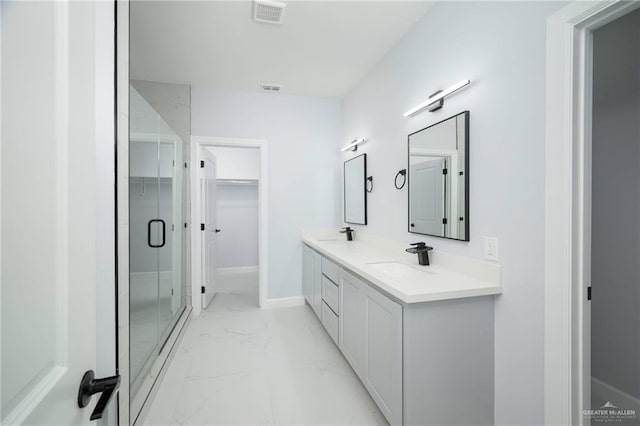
(427, 197)
(48, 209)
(208, 187)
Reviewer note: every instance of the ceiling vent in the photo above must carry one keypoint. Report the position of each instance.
(269, 12)
(270, 87)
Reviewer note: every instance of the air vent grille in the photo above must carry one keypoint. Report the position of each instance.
(270, 87)
(269, 12)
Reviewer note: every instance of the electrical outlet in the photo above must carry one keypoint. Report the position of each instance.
(491, 248)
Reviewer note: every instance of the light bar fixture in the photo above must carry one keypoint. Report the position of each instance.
(437, 98)
(353, 146)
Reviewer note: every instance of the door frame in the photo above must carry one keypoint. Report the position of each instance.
(122, 201)
(567, 205)
(197, 143)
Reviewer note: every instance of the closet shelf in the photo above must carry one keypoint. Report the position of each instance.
(146, 179)
(237, 181)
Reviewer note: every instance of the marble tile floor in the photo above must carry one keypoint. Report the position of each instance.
(240, 365)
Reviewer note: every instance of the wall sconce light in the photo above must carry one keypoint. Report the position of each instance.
(353, 146)
(436, 100)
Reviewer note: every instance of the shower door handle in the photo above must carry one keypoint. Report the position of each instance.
(164, 233)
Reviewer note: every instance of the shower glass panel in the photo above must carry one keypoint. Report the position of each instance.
(157, 285)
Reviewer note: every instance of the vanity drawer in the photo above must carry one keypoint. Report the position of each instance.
(331, 294)
(331, 270)
(330, 322)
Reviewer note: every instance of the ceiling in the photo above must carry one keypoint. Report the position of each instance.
(323, 48)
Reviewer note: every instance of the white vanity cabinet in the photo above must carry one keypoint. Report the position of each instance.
(371, 341)
(382, 373)
(307, 274)
(423, 363)
(331, 298)
(312, 279)
(352, 321)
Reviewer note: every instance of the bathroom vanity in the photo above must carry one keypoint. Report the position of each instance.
(420, 338)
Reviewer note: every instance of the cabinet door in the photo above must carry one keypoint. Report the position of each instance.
(383, 353)
(316, 295)
(352, 321)
(307, 275)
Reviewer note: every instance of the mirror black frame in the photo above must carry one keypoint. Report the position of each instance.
(364, 189)
(466, 178)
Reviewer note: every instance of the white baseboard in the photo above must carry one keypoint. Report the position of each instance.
(284, 302)
(614, 395)
(237, 270)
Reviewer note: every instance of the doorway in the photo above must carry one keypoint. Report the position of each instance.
(591, 211)
(615, 219)
(231, 208)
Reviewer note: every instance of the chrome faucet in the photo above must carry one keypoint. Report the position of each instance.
(422, 250)
(347, 230)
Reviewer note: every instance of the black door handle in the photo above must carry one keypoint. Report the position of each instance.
(149, 233)
(89, 385)
(217, 230)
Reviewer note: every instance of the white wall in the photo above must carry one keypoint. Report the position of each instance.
(500, 47)
(238, 219)
(615, 308)
(236, 163)
(303, 136)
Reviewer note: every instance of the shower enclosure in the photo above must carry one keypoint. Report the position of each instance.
(158, 241)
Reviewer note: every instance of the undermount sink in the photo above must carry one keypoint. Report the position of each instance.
(399, 269)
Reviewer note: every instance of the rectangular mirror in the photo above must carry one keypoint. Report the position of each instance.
(439, 179)
(355, 193)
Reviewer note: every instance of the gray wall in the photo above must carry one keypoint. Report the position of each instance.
(500, 47)
(303, 136)
(615, 323)
(238, 220)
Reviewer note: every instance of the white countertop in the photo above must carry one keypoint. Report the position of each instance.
(448, 276)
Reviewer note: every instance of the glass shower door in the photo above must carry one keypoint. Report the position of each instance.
(158, 240)
(146, 235)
